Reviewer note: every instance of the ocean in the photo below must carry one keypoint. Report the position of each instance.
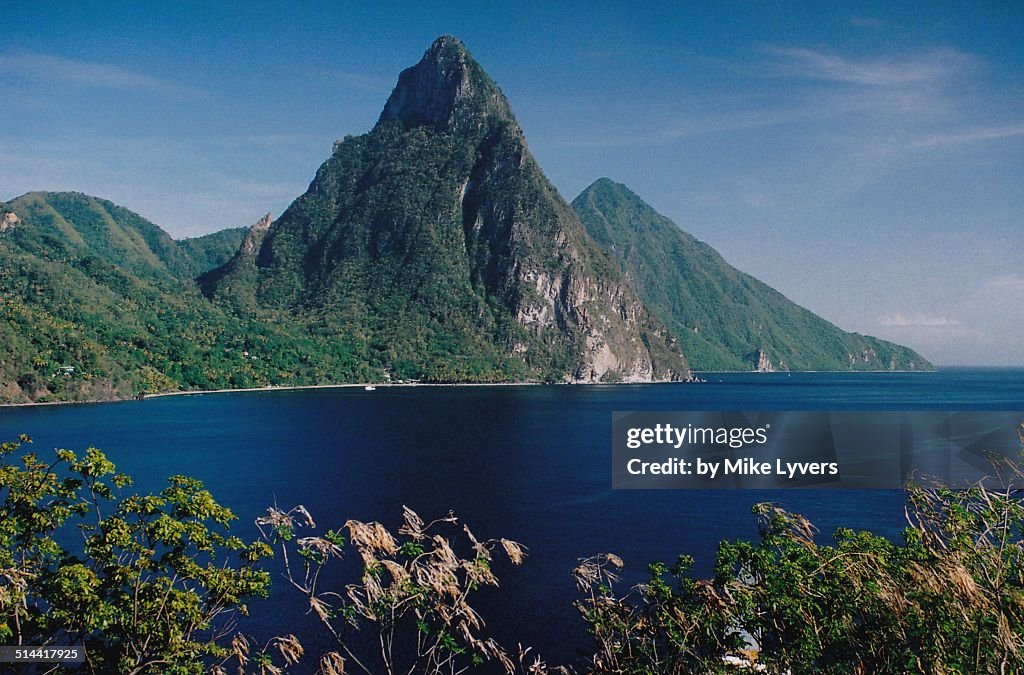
(529, 463)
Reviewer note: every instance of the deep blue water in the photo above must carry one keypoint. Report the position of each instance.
(529, 463)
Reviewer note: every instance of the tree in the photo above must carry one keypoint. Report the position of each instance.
(153, 583)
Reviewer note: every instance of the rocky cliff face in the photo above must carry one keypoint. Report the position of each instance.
(436, 242)
(254, 237)
(764, 364)
(8, 221)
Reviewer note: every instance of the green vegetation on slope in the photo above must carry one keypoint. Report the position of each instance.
(212, 250)
(71, 225)
(90, 311)
(725, 319)
(370, 254)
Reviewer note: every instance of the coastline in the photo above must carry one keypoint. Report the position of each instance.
(295, 387)
(349, 385)
(380, 385)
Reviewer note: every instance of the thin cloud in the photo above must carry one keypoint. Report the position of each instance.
(258, 189)
(47, 67)
(273, 140)
(604, 53)
(738, 121)
(600, 140)
(971, 136)
(708, 123)
(899, 320)
(867, 22)
(1013, 282)
(929, 67)
(902, 92)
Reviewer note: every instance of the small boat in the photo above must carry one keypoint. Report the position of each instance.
(370, 387)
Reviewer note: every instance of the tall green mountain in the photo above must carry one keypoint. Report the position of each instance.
(725, 319)
(435, 244)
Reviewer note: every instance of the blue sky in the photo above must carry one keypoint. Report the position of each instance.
(866, 161)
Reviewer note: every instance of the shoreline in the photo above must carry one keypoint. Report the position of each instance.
(285, 387)
(376, 385)
(350, 385)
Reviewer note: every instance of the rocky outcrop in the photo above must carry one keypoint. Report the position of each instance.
(235, 281)
(8, 221)
(764, 364)
(254, 237)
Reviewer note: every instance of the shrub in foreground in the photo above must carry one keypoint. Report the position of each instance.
(948, 599)
(153, 582)
(149, 584)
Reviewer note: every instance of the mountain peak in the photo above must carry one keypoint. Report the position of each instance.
(604, 182)
(606, 185)
(446, 47)
(448, 90)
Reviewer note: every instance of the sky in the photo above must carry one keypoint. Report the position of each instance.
(865, 159)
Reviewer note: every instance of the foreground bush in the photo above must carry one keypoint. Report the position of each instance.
(153, 581)
(414, 593)
(948, 599)
(148, 585)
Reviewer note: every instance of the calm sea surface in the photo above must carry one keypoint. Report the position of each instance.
(530, 463)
